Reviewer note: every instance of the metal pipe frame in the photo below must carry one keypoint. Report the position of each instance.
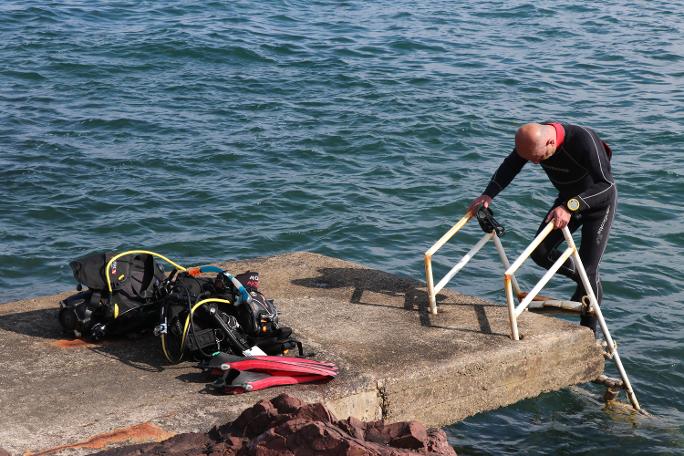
(509, 277)
(434, 289)
(530, 248)
(514, 312)
(602, 322)
(512, 317)
(560, 304)
(466, 258)
(432, 294)
(543, 281)
(506, 263)
(513, 289)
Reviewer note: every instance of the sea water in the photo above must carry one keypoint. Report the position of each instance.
(212, 130)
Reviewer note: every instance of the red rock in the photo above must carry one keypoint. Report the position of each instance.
(354, 427)
(315, 412)
(285, 426)
(224, 449)
(411, 435)
(438, 444)
(375, 432)
(285, 403)
(255, 420)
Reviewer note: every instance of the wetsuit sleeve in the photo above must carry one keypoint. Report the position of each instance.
(598, 165)
(503, 176)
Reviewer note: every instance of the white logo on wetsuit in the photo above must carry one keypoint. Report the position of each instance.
(603, 224)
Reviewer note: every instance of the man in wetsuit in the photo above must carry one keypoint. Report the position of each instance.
(577, 163)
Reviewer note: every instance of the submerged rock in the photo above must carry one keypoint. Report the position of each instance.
(286, 426)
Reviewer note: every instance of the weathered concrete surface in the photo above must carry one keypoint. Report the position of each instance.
(397, 361)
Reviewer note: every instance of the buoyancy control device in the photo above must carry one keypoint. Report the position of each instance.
(120, 295)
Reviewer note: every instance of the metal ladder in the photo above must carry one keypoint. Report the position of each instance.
(529, 300)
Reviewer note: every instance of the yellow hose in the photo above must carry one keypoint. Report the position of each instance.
(192, 311)
(166, 353)
(131, 252)
(186, 326)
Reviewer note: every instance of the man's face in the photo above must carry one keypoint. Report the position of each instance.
(536, 152)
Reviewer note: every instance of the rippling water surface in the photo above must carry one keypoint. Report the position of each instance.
(218, 130)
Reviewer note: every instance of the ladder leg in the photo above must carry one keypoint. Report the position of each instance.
(602, 322)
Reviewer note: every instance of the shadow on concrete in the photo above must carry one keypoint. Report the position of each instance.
(193, 377)
(141, 351)
(362, 280)
(41, 323)
(203, 382)
(482, 320)
(414, 298)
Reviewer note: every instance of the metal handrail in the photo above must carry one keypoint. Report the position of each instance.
(434, 289)
(514, 312)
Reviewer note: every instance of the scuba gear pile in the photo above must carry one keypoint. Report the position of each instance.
(206, 318)
(120, 297)
(234, 374)
(193, 314)
(201, 315)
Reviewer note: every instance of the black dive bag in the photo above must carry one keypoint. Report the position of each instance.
(259, 320)
(130, 306)
(200, 317)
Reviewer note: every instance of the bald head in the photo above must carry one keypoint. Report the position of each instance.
(535, 142)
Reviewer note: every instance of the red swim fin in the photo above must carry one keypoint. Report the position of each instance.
(274, 365)
(254, 381)
(242, 374)
(299, 360)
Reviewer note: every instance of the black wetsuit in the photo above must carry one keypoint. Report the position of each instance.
(579, 169)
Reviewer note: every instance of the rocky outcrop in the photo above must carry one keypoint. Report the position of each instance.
(285, 426)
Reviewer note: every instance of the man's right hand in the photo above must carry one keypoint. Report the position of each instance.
(480, 200)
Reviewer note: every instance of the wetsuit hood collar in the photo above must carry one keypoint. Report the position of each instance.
(560, 133)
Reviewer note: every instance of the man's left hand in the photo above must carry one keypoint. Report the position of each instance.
(560, 216)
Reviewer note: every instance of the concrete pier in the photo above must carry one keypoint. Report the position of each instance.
(397, 361)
